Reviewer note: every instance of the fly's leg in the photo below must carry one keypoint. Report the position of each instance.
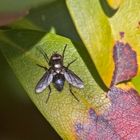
(42, 67)
(48, 94)
(63, 53)
(71, 63)
(70, 88)
(44, 54)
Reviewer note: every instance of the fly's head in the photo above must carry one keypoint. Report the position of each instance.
(56, 60)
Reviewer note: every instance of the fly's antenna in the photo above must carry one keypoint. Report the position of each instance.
(43, 53)
(64, 51)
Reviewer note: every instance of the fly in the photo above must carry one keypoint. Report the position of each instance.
(57, 73)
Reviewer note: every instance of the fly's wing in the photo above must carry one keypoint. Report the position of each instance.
(73, 79)
(44, 81)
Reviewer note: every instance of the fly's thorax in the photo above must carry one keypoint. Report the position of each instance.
(60, 70)
(56, 60)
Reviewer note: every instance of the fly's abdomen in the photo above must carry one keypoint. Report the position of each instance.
(58, 81)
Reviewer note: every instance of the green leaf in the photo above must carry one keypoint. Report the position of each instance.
(62, 110)
(100, 27)
(136, 82)
(18, 5)
(95, 31)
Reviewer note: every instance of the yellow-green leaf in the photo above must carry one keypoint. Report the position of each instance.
(62, 109)
(95, 31)
(99, 30)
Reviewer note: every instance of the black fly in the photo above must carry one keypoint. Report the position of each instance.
(57, 73)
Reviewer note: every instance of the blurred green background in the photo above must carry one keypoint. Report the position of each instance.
(19, 118)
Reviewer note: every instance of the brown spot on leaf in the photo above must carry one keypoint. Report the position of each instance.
(125, 63)
(120, 122)
(122, 35)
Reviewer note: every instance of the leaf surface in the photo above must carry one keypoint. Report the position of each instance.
(20, 49)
